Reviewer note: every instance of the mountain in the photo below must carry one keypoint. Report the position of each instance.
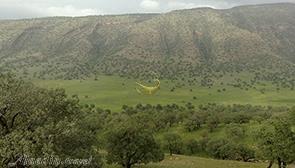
(202, 42)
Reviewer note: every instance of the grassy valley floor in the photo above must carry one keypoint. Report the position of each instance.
(112, 92)
(178, 161)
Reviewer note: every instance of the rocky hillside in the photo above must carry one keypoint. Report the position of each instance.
(198, 42)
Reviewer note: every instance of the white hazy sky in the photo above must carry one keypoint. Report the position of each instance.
(15, 9)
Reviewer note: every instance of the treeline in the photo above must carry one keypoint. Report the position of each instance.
(193, 118)
(207, 74)
(160, 119)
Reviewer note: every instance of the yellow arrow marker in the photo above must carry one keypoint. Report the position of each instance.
(148, 90)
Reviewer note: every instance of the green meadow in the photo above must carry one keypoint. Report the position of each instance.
(177, 161)
(112, 92)
(197, 162)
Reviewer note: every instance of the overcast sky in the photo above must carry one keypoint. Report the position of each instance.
(15, 9)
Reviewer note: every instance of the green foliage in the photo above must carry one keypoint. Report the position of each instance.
(194, 122)
(292, 115)
(130, 143)
(216, 148)
(192, 146)
(224, 149)
(197, 130)
(245, 153)
(212, 122)
(173, 143)
(41, 123)
(277, 141)
(116, 94)
(235, 131)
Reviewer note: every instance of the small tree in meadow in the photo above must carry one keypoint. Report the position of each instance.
(173, 143)
(130, 144)
(277, 142)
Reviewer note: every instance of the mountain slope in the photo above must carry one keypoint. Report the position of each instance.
(197, 43)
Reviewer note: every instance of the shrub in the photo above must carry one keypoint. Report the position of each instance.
(173, 143)
(192, 146)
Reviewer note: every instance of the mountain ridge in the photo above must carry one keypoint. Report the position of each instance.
(194, 42)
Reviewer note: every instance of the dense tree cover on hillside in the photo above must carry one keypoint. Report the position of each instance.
(177, 45)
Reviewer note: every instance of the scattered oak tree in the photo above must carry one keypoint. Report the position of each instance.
(173, 143)
(277, 142)
(192, 146)
(130, 143)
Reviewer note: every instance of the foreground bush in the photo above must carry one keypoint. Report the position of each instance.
(276, 141)
(40, 123)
